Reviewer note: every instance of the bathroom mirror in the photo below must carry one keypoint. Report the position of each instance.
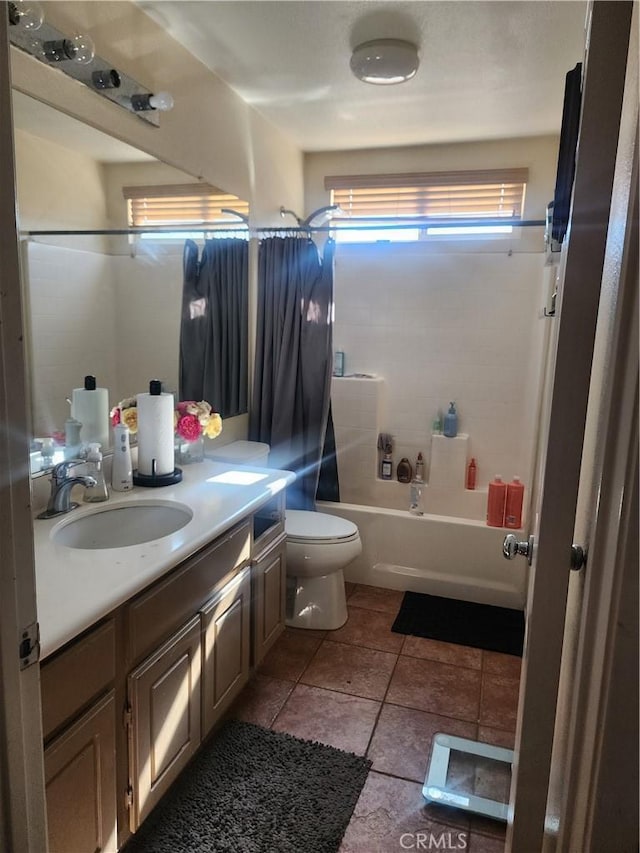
(101, 305)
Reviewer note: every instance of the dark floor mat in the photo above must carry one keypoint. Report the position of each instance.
(496, 629)
(256, 791)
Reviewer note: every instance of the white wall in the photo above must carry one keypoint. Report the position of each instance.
(438, 327)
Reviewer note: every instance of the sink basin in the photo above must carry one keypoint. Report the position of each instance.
(127, 524)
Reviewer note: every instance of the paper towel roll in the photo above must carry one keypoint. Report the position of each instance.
(91, 408)
(155, 434)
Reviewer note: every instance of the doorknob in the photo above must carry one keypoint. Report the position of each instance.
(512, 547)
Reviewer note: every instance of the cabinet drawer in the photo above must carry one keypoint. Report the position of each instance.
(157, 613)
(76, 675)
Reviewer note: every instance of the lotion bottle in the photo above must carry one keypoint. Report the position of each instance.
(94, 494)
(451, 422)
(121, 470)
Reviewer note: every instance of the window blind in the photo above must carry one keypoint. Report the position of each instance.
(487, 194)
(181, 204)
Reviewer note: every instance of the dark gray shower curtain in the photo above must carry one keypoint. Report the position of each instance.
(214, 327)
(292, 380)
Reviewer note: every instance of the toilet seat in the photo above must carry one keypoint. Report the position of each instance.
(304, 526)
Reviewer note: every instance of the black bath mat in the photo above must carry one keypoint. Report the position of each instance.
(496, 629)
(255, 791)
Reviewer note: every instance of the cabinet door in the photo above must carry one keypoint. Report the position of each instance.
(164, 727)
(81, 783)
(269, 595)
(227, 635)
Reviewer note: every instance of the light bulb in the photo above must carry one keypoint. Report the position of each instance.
(79, 49)
(160, 101)
(26, 14)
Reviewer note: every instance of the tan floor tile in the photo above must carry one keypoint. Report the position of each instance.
(388, 816)
(498, 737)
(420, 647)
(289, 656)
(368, 628)
(499, 664)
(261, 700)
(377, 598)
(307, 632)
(336, 719)
(451, 691)
(349, 588)
(485, 844)
(499, 702)
(350, 669)
(401, 743)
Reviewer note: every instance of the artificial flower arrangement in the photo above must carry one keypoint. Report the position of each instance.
(190, 418)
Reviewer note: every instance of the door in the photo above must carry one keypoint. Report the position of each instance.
(563, 430)
(80, 776)
(164, 727)
(22, 805)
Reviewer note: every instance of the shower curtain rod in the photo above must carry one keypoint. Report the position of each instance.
(339, 226)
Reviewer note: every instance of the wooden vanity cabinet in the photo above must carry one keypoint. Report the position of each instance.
(79, 725)
(269, 587)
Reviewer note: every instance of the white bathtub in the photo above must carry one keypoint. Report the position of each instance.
(434, 554)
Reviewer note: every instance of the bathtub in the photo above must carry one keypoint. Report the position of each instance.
(435, 554)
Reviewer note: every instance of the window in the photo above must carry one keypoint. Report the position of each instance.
(402, 205)
(182, 205)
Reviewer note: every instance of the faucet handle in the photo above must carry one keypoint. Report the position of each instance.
(60, 472)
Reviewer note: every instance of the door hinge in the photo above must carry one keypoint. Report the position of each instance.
(128, 797)
(29, 647)
(127, 716)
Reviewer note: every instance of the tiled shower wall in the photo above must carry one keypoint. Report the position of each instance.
(435, 327)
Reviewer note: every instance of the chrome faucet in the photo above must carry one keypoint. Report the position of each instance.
(61, 485)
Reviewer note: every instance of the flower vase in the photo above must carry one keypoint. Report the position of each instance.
(189, 451)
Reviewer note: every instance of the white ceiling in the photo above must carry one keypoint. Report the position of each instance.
(488, 70)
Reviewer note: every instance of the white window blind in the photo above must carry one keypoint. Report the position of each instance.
(487, 194)
(182, 204)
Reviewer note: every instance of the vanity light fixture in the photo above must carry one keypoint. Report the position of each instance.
(384, 62)
(106, 79)
(78, 49)
(162, 101)
(26, 14)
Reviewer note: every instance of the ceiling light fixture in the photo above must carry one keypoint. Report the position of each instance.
(385, 61)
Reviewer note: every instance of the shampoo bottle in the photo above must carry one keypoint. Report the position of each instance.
(403, 471)
(472, 471)
(416, 502)
(93, 494)
(386, 466)
(513, 507)
(121, 471)
(496, 499)
(451, 422)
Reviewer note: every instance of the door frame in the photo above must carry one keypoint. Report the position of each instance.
(577, 310)
(22, 798)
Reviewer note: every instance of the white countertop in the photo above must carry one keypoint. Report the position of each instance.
(77, 587)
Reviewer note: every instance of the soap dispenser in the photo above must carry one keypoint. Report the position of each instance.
(121, 469)
(451, 422)
(94, 494)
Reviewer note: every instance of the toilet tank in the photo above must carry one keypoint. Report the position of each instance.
(242, 453)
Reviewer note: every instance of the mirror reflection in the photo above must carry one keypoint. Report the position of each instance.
(107, 306)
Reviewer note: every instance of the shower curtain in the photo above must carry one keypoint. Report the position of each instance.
(292, 380)
(214, 327)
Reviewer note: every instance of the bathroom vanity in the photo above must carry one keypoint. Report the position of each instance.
(145, 646)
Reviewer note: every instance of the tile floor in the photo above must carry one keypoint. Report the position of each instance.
(367, 690)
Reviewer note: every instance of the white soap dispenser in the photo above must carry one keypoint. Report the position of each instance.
(94, 494)
(122, 469)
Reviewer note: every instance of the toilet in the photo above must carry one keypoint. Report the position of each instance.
(319, 547)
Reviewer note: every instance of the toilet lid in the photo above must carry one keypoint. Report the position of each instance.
(303, 524)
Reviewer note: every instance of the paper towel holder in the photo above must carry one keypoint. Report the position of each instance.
(157, 480)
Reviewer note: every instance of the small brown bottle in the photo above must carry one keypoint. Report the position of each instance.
(404, 471)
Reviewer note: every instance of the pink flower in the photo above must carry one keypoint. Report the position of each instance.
(115, 416)
(189, 427)
(182, 407)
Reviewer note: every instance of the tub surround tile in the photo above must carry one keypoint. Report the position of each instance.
(499, 702)
(419, 647)
(388, 815)
(350, 669)
(439, 688)
(289, 656)
(369, 628)
(500, 664)
(337, 719)
(261, 700)
(401, 744)
(376, 598)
